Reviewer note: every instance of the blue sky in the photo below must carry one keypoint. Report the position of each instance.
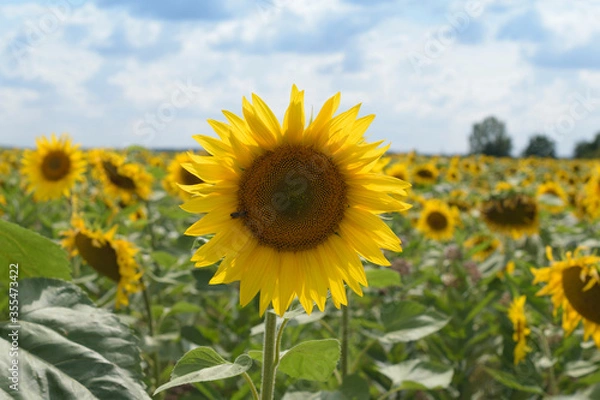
(114, 73)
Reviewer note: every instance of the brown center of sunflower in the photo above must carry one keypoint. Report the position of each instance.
(584, 302)
(103, 259)
(437, 221)
(292, 198)
(425, 173)
(187, 178)
(519, 210)
(56, 165)
(122, 181)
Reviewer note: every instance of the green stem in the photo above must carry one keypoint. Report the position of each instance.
(547, 352)
(279, 336)
(252, 387)
(156, 367)
(344, 335)
(270, 361)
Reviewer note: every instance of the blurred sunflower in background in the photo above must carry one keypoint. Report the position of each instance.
(552, 197)
(511, 213)
(128, 182)
(177, 175)
(292, 207)
(574, 284)
(113, 258)
(425, 174)
(53, 168)
(399, 170)
(516, 314)
(437, 220)
(483, 245)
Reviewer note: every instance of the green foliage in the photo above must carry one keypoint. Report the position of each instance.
(540, 146)
(36, 255)
(68, 348)
(313, 360)
(489, 137)
(585, 149)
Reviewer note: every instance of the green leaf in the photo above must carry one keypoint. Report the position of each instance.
(183, 307)
(68, 348)
(323, 395)
(355, 388)
(418, 375)
(203, 364)
(35, 255)
(313, 360)
(407, 321)
(512, 381)
(579, 368)
(164, 259)
(382, 277)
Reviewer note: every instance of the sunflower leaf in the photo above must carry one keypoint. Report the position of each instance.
(418, 375)
(35, 255)
(313, 360)
(68, 348)
(407, 321)
(512, 381)
(382, 278)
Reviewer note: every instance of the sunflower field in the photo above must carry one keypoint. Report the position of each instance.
(293, 259)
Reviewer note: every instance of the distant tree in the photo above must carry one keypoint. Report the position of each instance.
(540, 146)
(588, 149)
(489, 137)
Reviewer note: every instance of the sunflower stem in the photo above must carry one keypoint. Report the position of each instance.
(548, 353)
(270, 359)
(344, 335)
(155, 362)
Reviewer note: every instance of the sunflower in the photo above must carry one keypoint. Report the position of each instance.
(113, 258)
(400, 171)
(453, 174)
(291, 206)
(437, 220)
(511, 213)
(53, 168)
(516, 314)
(552, 197)
(177, 175)
(591, 200)
(425, 174)
(574, 284)
(124, 181)
(484, 245)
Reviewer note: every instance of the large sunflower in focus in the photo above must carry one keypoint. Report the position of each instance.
(113, 258)
(177, 175)
(292, 206)
(53, 168)
(437, 220)
(128, 182)
(574, 284)
(511, 213)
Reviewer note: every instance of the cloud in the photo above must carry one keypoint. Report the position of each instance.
(172, 9)
(525, 27)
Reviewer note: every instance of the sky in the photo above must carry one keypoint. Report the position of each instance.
(113, 73)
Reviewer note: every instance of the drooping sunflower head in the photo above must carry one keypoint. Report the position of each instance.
(113, 258)
(437, 220)
(574, 284)
(178, 175)
(425, 174)
(511, 213)
(53, 168)
(552, 196)
(483, 245)
(128, 182)
(292, 206)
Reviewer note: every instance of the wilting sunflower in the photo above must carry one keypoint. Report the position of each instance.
(53, 168)
(437, 220)
(177, 175)
(113, 258)
(516, 314)
(484, 245)
(511, 213)
(291, 206)
(552, 197)
(425, 174)
(574, 284)
(128, 182)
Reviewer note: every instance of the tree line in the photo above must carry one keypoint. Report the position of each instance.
(489, 137)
